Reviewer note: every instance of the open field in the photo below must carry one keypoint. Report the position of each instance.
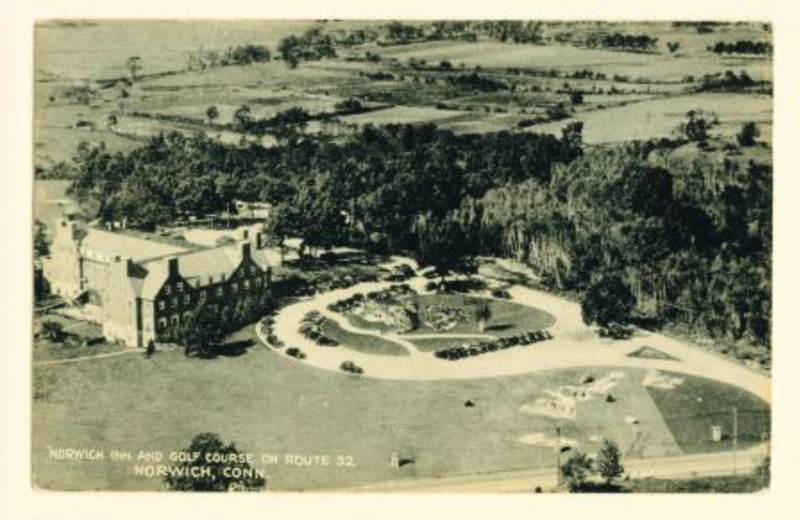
(657, 68)
(702, 403)
(64, 49)
(660, 117)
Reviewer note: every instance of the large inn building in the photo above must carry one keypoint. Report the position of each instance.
(137, 286)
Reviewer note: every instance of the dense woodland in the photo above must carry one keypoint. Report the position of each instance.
(689, 233)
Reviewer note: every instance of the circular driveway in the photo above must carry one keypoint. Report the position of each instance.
(573, 345)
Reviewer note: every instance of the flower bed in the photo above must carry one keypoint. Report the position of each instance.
(382, 308)
(443, 318)
(457, 352)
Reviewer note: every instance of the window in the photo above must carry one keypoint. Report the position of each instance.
(234, 287)
(246, 285)
(176, 320)
(252, 269)
(162, 305)
(174, 302)
(162, 323)
(180, 286)
(203, 295)
(258, 282)
(167, 290)
(219, 291)
(187, 298)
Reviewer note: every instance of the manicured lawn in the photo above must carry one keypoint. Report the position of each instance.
(266, 403)
(691, 409)
(361, 342)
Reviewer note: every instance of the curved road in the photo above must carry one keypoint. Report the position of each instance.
(574, 345)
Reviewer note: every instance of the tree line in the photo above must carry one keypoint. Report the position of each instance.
(688, 235)
(741, 47)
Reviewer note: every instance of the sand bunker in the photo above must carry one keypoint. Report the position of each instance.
(656, 379)
(561, 403)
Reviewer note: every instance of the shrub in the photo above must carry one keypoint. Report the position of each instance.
(295, 353)
(501, 294)
(350, 367)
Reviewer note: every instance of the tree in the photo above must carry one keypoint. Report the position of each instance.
(608, 302)
(134, 65)
(747, 135)
(242, 119)
(696, 126)
(673, 46)
(441, 243)
(576, 98)
(52, 330)
(608, 461)
(212, 113)
(576, 470)
(483, 313)
(201, 331)
(213, 467)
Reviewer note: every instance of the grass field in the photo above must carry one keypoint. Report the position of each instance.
(701, 403)
(658, 118)
(361, 342)
(267, 403)
(659, 68)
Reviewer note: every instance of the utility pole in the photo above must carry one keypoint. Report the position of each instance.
(735, 436)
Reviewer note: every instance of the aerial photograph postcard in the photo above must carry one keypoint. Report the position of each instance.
(463, 256)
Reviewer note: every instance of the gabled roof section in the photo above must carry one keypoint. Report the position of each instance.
(111, 244)
(200, 268)
(157, 274)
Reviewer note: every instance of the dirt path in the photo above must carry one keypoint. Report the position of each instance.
(88, 358)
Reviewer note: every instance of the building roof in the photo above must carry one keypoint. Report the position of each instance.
(111, 244)
(199, 267)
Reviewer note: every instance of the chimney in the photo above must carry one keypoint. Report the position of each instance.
(172, 266)
(73, 229)
(124, 264)
(244, 234)
(245, 249)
